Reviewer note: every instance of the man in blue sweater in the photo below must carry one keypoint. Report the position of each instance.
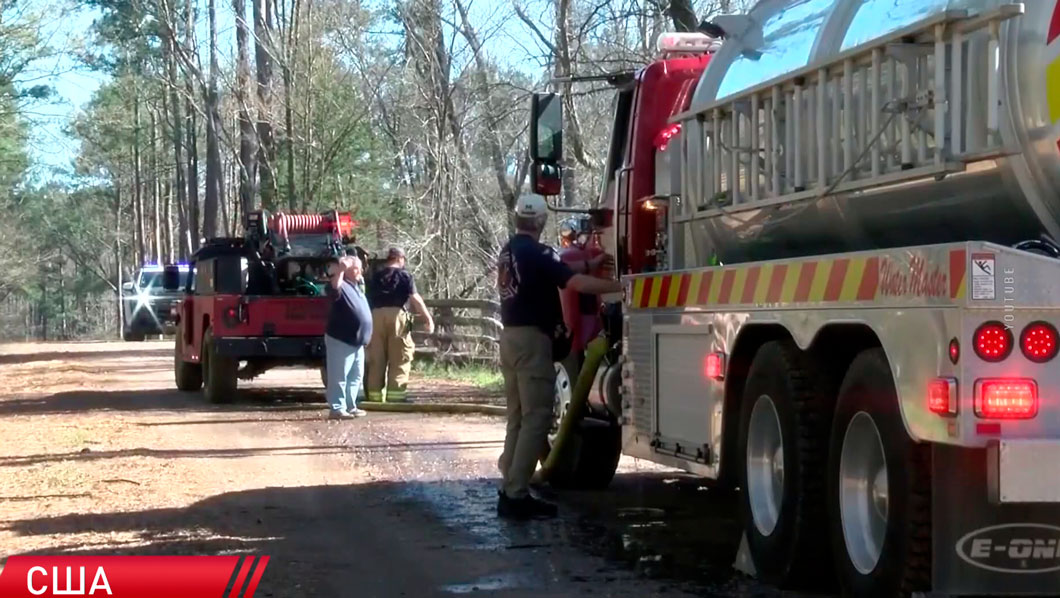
(349, 330)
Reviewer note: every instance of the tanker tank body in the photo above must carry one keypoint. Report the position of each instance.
(1004, 189)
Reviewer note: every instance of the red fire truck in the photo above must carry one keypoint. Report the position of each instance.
(257, 302)
(836, 222)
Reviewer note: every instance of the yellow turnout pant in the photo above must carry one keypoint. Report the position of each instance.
(389, 354)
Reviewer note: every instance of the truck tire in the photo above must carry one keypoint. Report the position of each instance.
(188, 375)
(133, 337)
(784, 425)
(879, 488)
(595, 448)
(566, 378)
(219, 372)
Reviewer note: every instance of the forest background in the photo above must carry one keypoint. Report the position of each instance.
(131, 129)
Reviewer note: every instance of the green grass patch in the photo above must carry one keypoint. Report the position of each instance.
(477, 375)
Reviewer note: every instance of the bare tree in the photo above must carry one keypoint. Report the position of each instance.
(263, 27)
(214, 168)
(248, 151)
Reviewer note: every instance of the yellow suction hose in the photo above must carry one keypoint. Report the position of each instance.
(579, 403)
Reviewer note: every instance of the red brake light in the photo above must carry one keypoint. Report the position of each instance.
(232, 312)
(1039, 342)
(1005, 398)
(663, 138)
(955, 351)
(942, 396)
(993, 341)
(714, 366)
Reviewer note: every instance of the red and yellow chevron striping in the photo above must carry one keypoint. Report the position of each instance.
(836, 280)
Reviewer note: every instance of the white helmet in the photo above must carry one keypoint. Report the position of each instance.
(531, 205)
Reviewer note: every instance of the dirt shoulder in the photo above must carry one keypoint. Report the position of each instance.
(102, 456)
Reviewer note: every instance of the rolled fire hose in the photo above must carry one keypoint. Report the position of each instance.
(579, 406)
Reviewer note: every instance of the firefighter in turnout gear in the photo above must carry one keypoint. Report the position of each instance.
(529, 277)
(391, 349)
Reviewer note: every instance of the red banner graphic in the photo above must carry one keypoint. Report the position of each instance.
(132, 576)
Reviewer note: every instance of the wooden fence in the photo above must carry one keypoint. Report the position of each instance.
(465, 331)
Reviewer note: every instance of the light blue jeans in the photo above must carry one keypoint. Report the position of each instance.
(345, 374)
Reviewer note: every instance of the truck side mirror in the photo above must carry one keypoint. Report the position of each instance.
(171, 278)
(546, 143)
(127, 287)
(546, 128)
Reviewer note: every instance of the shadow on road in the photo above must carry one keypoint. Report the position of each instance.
(36, 356)
(72, 402)
(92, 455)
(441, 538)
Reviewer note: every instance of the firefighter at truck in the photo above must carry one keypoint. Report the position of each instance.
(529, 277)
(391, 349)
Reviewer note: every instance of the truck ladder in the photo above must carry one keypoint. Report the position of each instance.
(878, 114)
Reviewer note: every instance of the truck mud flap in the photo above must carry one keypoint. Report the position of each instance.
(982, 547)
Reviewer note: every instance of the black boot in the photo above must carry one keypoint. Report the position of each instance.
(527, 507)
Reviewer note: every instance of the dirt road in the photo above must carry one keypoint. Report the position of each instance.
(102, 456)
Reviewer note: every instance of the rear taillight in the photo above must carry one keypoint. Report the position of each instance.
(942, 396)
(1039, 342)
(993, 341)
(714, 366)
(234, 315)
(1006, 398)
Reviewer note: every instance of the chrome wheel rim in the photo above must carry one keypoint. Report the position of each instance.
(863, 493)
(765, 465)
(564, 392)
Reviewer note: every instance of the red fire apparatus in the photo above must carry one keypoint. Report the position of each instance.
(258, 302)
(836, 221)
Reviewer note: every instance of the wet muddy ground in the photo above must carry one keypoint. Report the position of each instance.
(101, 456)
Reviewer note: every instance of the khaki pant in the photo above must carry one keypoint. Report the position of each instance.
(530, 387)
(389, 354)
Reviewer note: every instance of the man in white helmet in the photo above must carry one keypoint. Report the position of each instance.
(529, 278)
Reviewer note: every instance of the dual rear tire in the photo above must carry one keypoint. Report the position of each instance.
(832, 475)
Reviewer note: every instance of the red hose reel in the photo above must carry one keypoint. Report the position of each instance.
(339, 223)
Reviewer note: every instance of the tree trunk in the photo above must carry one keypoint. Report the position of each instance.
(288, 109)
(176, 124)
(500, 169)
(62, 297)
(683, 15)
(156, 190)
(138, 198)
(263, 26)
(117, 259)
(214, 173)
(248, 151)
(191, 133)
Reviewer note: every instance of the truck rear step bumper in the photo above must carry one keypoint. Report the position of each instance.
(277, 346)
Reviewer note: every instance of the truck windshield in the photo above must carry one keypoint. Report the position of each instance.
(151, 282)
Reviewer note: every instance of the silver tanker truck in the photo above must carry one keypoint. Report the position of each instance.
(836, 221)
